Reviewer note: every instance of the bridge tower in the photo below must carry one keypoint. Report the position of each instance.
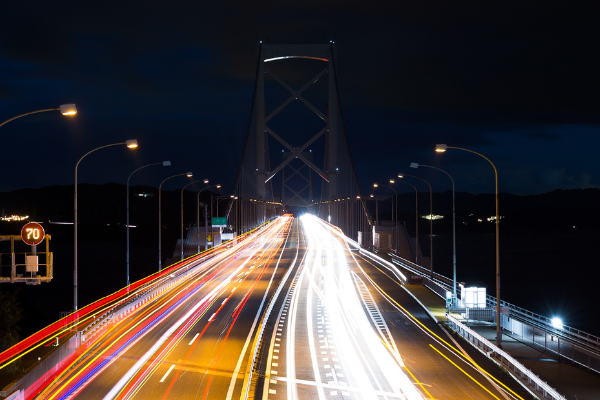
(300, 140)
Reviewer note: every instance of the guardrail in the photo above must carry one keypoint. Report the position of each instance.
(546, 323)
(553, 342)
(523, 375)
(109, 317)
(582, 339)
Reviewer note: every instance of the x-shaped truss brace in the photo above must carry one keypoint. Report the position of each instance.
(296, 152)
(296, 194)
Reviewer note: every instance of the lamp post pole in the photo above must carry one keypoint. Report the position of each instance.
(205, 181)
(189, 175)
(65, 109)
(440, 148)
(454, 297)
(165, 164)
(205, 217)
(132, 144)
(416, 221)
(430, 222)
(396, 201)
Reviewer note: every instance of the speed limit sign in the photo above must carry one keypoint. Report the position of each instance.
(32, 233)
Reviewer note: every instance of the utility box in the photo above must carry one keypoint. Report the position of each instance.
(472, 297)
(31, 263)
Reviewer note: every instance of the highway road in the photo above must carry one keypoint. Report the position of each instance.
(341, 335)
(189, 341)
(340, 328)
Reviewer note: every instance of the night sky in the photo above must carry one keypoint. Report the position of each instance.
(517, 81)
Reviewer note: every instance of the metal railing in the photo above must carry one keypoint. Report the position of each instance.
(553, 342)
(579, 338)
(545, 323)
(510, 364)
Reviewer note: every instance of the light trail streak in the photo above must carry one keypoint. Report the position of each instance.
(138, 365)
(436, 338)
(368, 366)
(162, 316)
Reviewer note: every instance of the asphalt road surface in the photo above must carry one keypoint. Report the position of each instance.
(340, 327)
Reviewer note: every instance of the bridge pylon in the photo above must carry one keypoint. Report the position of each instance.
(281, 124)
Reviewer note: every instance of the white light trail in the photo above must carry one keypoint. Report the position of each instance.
(367, 365)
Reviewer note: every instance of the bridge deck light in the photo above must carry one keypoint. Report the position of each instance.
(205, 181)
(440, 148)
(392, 181)
(375, 185)
(400, 175)
(218, 186)
(132, 143)
(189, 174)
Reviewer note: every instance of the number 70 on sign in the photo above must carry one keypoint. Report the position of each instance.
(32, 233)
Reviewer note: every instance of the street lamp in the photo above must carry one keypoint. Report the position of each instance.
(430, 221)
(132, 144)
(396, 200)
(205, 217)
(164, 164)
(65, 109)
(189, 175)
(454, 297)
(205, 181)
(440, 148)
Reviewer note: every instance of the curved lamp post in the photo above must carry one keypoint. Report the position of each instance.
(198, 217)
(164, 164)
(65, 109)
(401, 175)
(189, 175)
(205, 181)
(132, 144)
(440, 148)
(415, 165)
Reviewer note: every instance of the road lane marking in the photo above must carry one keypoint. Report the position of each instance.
(167, 373)
(192, 341)
(212, 317)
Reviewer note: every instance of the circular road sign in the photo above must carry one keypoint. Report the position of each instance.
(32, 233)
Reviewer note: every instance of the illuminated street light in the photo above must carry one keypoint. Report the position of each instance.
(205, 181)
(205, 217)
(396, 220)
(65, 109)
(440, 148)
(75, 218)
(68, 109)
(164, 164)
(189, 175)
(416, 165)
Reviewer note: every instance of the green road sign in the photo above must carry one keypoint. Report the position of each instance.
(219, 221)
